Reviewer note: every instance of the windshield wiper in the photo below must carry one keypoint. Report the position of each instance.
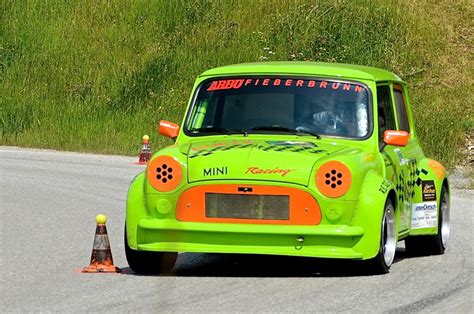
(287, 130)
(219, 130)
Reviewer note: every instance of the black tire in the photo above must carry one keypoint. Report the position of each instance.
(146, 262)
(382, 262)
(432, 244)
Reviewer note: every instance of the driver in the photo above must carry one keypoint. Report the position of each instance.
(325, 117)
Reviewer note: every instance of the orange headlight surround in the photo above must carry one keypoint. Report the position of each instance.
(333, 179)
(164, 173)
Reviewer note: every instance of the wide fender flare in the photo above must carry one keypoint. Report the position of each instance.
(375, 191)
(136, 208)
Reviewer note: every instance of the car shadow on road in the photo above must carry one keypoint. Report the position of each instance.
(250, 265)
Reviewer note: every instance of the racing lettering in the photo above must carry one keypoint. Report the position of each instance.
(257, 170)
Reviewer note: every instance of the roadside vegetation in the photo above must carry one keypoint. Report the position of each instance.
(96, 75)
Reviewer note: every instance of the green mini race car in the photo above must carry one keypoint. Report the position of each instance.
(290, 158)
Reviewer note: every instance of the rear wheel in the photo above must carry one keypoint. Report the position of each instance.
(146, 262)
(433, 244)
(381, 263)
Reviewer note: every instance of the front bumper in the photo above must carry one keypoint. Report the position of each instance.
(359, 240)
(336, 241)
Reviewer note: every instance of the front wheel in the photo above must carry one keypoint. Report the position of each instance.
(433, 244)
(146, 262)
(381, 263)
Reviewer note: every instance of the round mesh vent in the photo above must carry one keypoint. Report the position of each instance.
(333, 179)
(164, 173)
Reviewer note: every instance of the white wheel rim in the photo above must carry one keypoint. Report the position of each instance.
(389, 237)
(444, 216)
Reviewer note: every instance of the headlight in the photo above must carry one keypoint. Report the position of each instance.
(164, 173)
(333, 179)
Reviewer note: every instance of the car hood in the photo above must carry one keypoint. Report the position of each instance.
(266, 160)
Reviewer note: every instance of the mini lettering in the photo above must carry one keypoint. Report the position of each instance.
(214, 171)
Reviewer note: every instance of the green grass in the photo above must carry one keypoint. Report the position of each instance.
(96, 76)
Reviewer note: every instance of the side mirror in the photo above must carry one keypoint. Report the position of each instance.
(168, 129)
(395, 138)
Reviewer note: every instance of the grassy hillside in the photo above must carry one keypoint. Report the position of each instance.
(97, 75)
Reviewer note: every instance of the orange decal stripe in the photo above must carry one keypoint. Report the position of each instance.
(437, 168)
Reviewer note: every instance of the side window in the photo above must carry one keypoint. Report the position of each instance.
(401, 109)
(385, 110)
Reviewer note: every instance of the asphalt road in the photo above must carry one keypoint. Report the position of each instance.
(48, 204)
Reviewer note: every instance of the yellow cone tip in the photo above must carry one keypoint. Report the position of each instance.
(145, 137)
(101, 219)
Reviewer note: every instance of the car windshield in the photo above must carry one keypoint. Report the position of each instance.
(280, 105)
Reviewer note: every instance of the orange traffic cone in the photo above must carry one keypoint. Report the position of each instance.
(145, 152)
(101, 258)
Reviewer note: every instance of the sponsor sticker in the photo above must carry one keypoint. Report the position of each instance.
(428, 190)
(424, 215)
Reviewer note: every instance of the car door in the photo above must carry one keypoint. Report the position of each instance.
(398, 164)
(411, 153)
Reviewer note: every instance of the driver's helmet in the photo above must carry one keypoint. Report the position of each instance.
(325, 114)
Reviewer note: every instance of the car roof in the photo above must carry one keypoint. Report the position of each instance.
(305, 68)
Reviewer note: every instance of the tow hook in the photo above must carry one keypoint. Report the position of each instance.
(299, 243)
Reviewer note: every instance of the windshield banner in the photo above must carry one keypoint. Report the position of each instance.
(274, 82)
